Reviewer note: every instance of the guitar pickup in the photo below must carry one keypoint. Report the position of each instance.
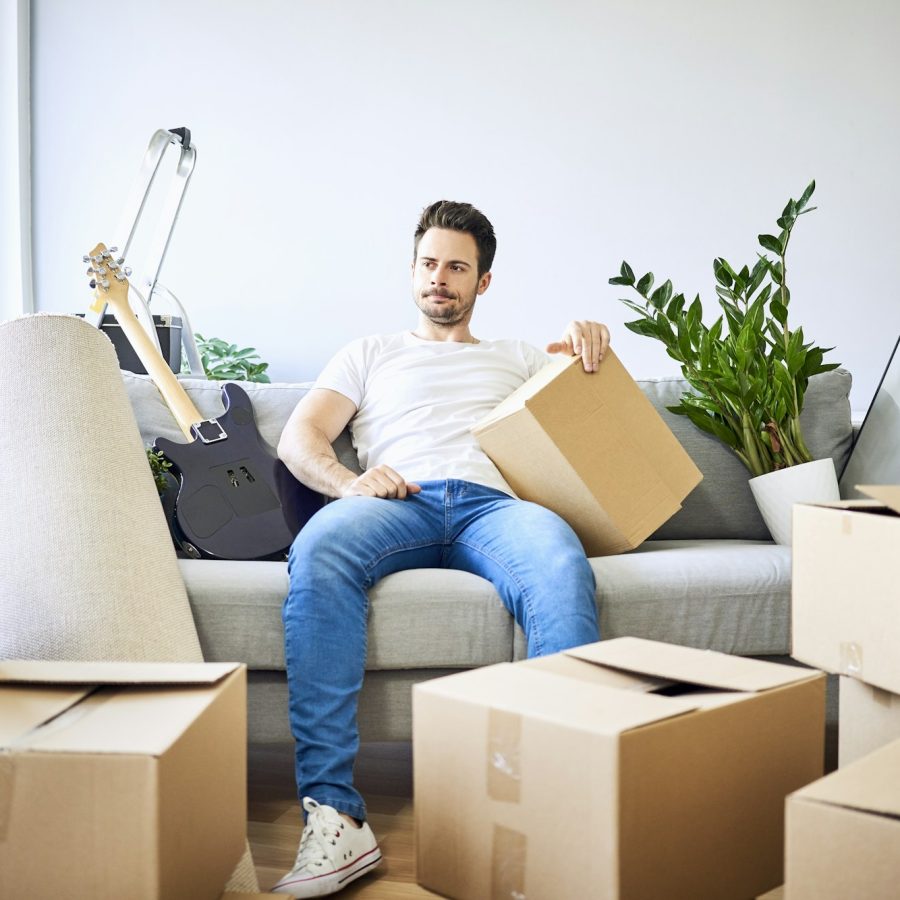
(209, 431)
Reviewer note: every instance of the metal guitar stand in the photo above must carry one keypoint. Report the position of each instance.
(144, 279)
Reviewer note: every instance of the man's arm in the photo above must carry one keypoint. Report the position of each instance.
(305, 448)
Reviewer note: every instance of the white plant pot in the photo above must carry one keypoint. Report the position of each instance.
(777, 492)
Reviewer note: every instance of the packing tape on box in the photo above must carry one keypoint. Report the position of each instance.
(504, 778)
(508, 851)
(7, 753)
(7, 780)
(851, 659)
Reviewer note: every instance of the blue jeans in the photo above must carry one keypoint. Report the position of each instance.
(530, 555)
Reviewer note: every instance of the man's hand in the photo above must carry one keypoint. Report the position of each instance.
(381, 481)
(589, 340)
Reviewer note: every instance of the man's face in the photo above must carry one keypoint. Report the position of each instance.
(445, 276)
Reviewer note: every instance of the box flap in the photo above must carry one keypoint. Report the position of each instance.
(28, 671)
(888, 494)
(703, 667)
(561, 664)
(557, 698)
(869, 784)
(25, 708)
(855, 504)
(137, 719)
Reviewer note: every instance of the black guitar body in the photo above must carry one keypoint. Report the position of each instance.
(236, 499)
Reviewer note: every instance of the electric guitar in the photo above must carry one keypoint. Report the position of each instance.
(235, 498)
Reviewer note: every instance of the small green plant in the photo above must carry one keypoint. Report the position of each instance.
(159, 466)
(226, 362)
(749, 370)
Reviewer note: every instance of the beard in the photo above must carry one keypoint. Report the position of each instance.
(458, 309)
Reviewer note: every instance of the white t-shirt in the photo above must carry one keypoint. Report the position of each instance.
(416, 401)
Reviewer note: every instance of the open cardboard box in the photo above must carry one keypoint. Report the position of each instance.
(843, 832)
(622, 769)
(846, 572)
(869, 718)
(591, 447)
(121, 779)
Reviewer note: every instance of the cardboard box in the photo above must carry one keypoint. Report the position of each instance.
(843, 832)
(869, 718)
(121, 779)
(591, 447)
(622, 769)
(846, 587)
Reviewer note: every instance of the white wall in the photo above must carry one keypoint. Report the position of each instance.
(15, 161)
(663, 132)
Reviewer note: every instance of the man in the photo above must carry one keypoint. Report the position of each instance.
(429, 497)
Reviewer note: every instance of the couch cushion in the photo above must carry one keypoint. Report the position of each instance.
(731, 596)
(722, 506)
(272, 404)
(419, 619)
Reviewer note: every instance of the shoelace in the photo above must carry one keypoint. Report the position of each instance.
(320, 833)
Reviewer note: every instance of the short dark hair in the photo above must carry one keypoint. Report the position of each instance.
(460, 217)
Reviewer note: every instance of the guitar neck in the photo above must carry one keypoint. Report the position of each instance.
(186, 414)
(111, 288)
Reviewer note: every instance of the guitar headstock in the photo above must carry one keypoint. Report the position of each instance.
(108, 278)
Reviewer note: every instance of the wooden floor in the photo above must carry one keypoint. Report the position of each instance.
(384, 777)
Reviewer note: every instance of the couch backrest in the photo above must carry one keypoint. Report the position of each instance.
(272, 404)
(721, 506)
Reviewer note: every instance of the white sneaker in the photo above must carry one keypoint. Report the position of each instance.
(332, 854)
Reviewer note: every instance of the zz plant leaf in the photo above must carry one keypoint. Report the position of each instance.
(749, 371)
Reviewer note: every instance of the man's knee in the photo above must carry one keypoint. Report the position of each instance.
(337, 529)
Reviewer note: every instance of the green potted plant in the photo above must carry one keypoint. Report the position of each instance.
(226, 362)
(749, 370)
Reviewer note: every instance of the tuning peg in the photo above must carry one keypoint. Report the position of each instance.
(120, 276)
(113, 265)
(104, 284)
(106, 254)
(120, 260)
(85, 259)
(90, 270)
(93, 284)
(113, 249)
(128, 271)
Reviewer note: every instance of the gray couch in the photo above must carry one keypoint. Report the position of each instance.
(709, 578)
